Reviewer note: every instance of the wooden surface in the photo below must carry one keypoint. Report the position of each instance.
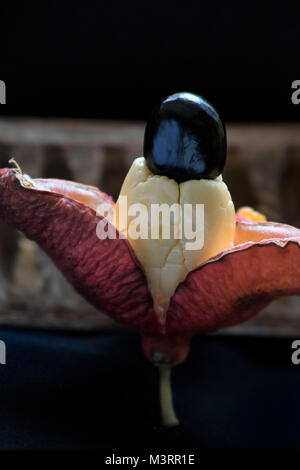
(263, 169)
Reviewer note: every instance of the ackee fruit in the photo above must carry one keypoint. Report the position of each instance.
(156, 286)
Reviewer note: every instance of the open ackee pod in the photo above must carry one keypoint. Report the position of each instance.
(227, 289)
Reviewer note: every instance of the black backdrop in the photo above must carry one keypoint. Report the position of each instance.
(115, 59)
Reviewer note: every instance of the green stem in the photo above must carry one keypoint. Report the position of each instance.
(169, 418)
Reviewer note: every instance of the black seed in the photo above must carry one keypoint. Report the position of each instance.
(185, 139)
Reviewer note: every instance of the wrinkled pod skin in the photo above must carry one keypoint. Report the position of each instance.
(61, 218)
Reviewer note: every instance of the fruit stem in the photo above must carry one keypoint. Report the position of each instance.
(169, 418)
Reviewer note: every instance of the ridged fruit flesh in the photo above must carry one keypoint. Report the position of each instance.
(166, 262)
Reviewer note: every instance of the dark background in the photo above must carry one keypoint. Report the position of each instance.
(80, 391)
(98, 59)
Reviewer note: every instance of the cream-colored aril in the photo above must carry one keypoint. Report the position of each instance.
(166, 262)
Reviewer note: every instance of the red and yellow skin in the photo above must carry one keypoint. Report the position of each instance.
(227, 289)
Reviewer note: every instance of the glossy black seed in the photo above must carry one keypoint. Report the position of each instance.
(185, 139)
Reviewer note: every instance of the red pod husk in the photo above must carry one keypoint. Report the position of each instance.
(227, 289)
(103, 271)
